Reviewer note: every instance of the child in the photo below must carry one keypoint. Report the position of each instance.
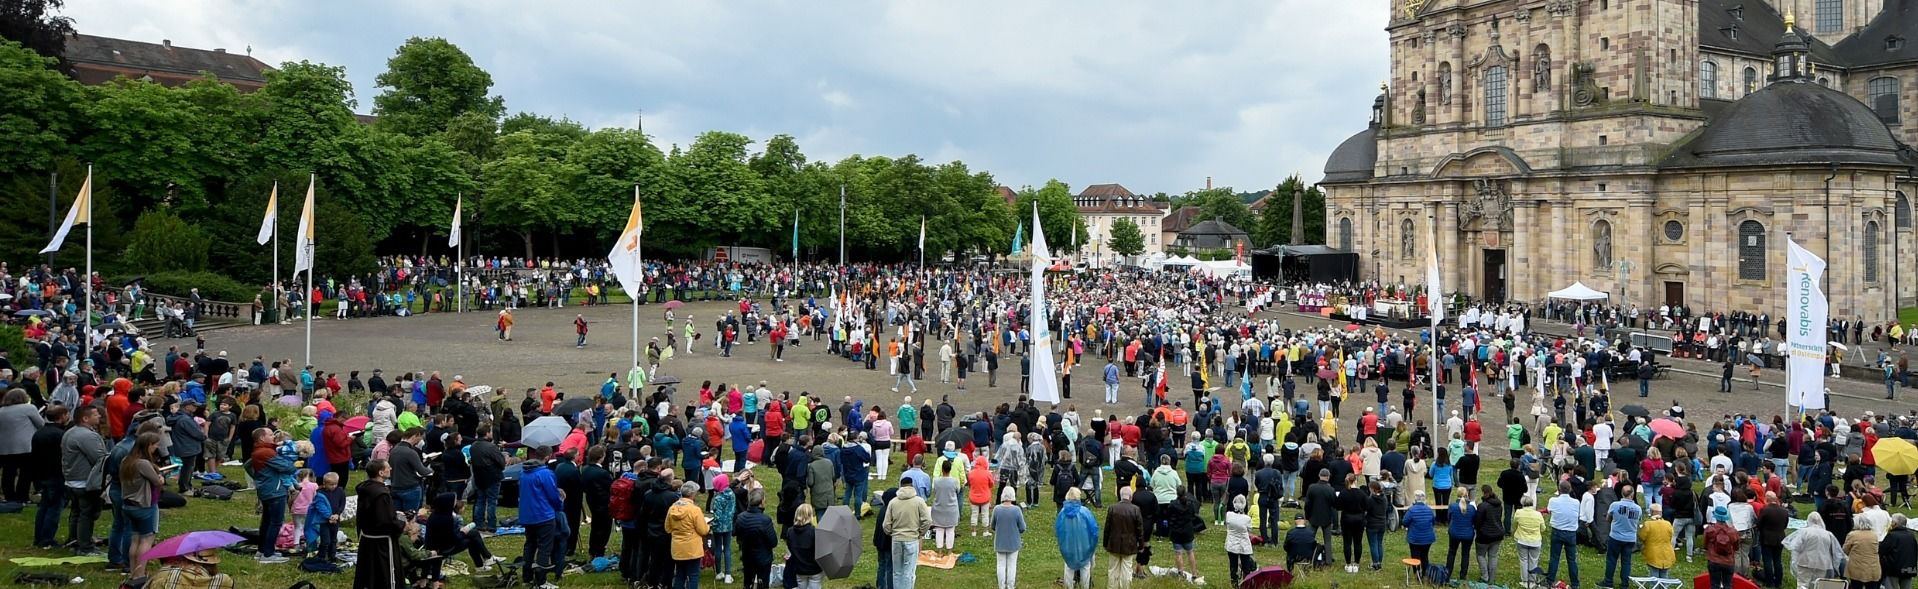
(303, 490)
(322, 522)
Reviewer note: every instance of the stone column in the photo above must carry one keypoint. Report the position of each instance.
(1519, 278)
(1701, 227)
(1637, 241)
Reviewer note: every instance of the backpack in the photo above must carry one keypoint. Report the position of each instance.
(621, 504)
(1437, 574)
(216, 492)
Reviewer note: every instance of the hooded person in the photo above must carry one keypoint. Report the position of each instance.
(320, 463)
(1077, 532)
(1815, 552)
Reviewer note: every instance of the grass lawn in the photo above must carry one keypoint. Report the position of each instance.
(1908, 315)
(1039, 563)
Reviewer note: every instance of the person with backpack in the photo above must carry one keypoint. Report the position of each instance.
(1066, 476)
(623, 505)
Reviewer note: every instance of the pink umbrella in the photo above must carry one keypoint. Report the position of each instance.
(356, 424)
(190, 543)
(1668, 428)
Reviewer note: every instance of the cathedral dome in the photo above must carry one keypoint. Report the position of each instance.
(1352, 161)
(1790, 122)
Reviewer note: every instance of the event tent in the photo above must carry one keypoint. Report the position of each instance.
(1578, 292)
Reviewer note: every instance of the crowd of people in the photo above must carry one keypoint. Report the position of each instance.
(419, 464)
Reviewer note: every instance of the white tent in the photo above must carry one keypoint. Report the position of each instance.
(1181, 262)
(1578, 292)
(1224, 268)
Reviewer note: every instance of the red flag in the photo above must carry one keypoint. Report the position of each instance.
(1159, 388)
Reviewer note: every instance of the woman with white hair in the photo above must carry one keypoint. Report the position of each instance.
(945, 502)
(1238, 540)
(1008, 530)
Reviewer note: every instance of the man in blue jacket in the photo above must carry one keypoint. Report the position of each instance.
(855, 460)
(539, 507)
(742, 437)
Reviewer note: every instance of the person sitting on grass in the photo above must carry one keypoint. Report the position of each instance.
(1300, 543)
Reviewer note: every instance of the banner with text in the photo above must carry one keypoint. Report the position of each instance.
(1807, 315)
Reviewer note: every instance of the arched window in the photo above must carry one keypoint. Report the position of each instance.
(1751, 79)
(1831, 15)
(1751, 250)
(1408, 242)
(1601, 245)
(1707, 79)
(1495, 96)
(1903, 209)
(1884, 97)
(1871, 251)
(1345, 233)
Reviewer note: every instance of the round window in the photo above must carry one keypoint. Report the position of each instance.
(1674, 231)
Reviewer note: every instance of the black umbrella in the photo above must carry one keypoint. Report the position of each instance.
(664, 380)
(573, 406)
(836, 543)
(958, 436)
(1635, 411)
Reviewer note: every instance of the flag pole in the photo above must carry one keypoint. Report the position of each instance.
(311, 263)
(639, 259)
(459, 257)
(87, 309)
(842, 225)
(1431, 221)
(1788, 362)
(276, 291)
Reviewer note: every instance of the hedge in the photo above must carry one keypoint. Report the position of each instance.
(212, 286)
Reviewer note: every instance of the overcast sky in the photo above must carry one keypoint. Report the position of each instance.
(1153, 95)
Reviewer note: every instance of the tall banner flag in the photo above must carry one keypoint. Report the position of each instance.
(795, 236)
(1434, 301)
(270, 223)
(80, 214)
(1018, 238)
(922, 234)
(303, 239)
(1808, 315)
(453, 235)
(1045, 378)
(625, 255)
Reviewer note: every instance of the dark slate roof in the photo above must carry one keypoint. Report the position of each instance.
(1106, 190)
(1179, 220)
(1352, 161)
(1213, 227)
(1867, 48)
(1790, 123)
(163, 58)
(1758, 28)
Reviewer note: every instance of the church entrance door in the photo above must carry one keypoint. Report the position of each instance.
(1674, 293)
(1494, 274)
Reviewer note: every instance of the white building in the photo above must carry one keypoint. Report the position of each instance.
(1100, 205)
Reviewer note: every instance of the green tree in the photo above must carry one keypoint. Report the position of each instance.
(32, 23)
(1057, 213)
(1223, 204)
(162, 242)
(430, 82)
(40, 113)
(1274, 225)
(308, 109)
(524, 194)
(1126, 239)
(611, 163)
(721, 200)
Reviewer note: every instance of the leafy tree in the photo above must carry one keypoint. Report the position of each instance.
(31, 23)
(308, 109)
(611, 163)
(723, 200)
(162, 242)
(1127, 240)
(24, 207)
(343, 245)
(41, 110)
(524, 194)
(1223, 204)
(1275, 220)
(430, 82)
(1057, 213)
(474, 133)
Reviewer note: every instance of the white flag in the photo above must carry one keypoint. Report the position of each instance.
(303, 244)
(1434, 294)
(80, 214)
(270, 223)
(922, 233)
(1807, 315)
(453, 236)
(1045, 381)
(625, 255)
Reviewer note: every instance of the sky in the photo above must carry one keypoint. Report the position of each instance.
(1156, 96)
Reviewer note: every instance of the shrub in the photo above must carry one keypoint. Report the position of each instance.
(13, 339)
(212, 286)
(161, 242)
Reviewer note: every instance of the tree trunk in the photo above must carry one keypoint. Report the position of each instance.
(526, 238)
(555, 244)
(424, 241)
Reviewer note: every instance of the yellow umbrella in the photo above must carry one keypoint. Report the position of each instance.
(1895, 455)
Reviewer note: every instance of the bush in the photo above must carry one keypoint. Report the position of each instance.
(13, 339)
(161, 242)
(212, 286)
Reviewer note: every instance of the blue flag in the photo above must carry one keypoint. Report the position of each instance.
(1018, 239)
(795, 235)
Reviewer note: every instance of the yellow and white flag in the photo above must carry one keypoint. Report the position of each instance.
(80, 214)
(303, 257)
(270, 223)
(625, 255)
(453, 236)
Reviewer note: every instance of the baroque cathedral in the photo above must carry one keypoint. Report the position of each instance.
(1659, 150)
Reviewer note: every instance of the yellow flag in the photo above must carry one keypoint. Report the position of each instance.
(303, 245)
(80, 214)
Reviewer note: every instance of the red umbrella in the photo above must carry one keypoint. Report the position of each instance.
(1668, 428)
(356, 424)
(1353, 327)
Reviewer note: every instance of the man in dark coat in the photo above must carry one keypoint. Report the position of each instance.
(652, 516)
(489, 468)
(754, 531)
(1319, 509)
(1124, 534)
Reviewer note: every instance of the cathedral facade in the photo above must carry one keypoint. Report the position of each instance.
(1659, 150)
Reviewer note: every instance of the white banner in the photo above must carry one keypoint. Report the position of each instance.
(1807, 316)
(1044, 377)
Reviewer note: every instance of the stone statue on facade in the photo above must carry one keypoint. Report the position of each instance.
(1602, 246)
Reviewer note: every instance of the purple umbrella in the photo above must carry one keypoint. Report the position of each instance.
(189, 543)
(292, 400)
